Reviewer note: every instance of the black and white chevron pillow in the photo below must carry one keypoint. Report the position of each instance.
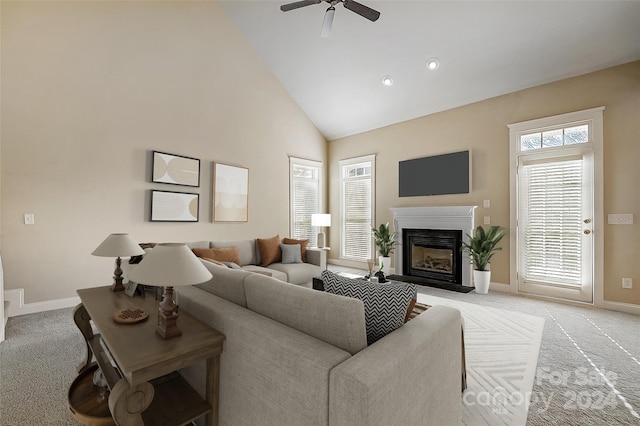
(385, 305)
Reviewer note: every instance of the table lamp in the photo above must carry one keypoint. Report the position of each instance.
(118, 245)
(169, 265)
(321, 220)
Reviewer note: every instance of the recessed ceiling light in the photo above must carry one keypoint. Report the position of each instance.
(433, 63)
(387, 80)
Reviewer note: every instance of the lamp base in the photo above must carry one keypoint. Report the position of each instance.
(167, 327)
(117, 277)
(321, 240)
(167, 318)
(117, 284)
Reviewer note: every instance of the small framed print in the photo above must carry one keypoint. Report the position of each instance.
(175, 169)
(230, 193)
(131, 289)
(167, 206)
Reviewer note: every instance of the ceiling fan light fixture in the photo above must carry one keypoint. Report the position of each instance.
(327, 22)
(387, 80)
(433, 64)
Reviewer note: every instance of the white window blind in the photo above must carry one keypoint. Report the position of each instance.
(553, 198)
(357, 207)
(305, 198)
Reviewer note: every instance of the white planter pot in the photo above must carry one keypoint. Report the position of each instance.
(385, 261)
(482, 280)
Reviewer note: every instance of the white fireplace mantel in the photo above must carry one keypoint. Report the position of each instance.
(445, 217)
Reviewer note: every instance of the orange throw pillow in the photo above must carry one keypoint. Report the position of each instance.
(215, 262)
(223, 254)
(303, 246)
(270, 251)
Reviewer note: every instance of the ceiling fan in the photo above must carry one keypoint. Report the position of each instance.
(354, 6)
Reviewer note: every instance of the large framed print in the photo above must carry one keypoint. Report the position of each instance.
(167, 206)
(230, 193)
(175, 169)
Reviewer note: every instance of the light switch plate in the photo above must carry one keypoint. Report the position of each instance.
(486, 204)
(29, 219)
(620, 219)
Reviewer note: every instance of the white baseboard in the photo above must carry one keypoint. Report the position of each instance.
(16, 306)
(629, 308)
(505, 288)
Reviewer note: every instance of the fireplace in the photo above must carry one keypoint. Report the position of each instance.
(433, 253)
(438, 259)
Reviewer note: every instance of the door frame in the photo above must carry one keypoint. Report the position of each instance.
(595, 116)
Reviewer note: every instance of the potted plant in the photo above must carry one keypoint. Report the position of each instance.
(385, 241)
(481, 248)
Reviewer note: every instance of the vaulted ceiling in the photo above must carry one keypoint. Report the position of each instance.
(485, 49)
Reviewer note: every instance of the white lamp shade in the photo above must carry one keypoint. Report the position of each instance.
(170, 265)
(320, 219)
(118, 245)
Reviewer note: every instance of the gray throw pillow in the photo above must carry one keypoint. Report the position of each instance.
(291, 253)
(385, 305)
(232, 265)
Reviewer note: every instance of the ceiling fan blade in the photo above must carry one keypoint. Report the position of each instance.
(327, 23)
(298, 4)
(362, 10)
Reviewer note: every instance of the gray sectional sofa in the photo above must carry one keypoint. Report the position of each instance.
(250, 260)
(297, 356)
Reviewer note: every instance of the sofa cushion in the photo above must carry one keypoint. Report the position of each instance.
(246, 250)
(224, 254)
(385, 305)
(336, 320)
(297, 273)
(269, 250)
(303, 246)
(291, 253)
(226, 283)
(269, 272)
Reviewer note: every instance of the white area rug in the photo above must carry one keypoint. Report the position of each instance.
(502, 353)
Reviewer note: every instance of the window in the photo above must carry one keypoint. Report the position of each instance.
(305, 197)
(555, 138)
(356, 206)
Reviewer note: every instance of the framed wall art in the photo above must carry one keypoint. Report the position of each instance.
(169, 206)
(230, 193)
(175, 169)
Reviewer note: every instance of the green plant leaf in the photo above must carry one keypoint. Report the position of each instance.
(483, 245)
(384, 239)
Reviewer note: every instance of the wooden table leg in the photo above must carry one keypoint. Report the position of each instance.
(212, 391)
(127, 403)
(82, 320)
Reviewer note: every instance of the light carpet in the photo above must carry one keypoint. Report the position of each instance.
(502, 350)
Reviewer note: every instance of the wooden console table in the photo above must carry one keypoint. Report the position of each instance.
(141, 368)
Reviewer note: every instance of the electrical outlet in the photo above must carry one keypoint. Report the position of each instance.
(627, 283)
(487, 220)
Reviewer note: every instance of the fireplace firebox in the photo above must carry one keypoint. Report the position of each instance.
(433, 254)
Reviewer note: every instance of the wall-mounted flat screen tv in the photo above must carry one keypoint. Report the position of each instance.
(436, 175)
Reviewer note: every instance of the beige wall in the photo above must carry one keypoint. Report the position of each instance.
(88, 89)
(482, 128)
